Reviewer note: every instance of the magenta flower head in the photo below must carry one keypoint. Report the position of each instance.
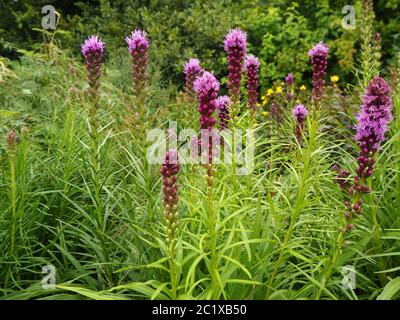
(223, 106)
(138, 46)
(93, 51)
(207, 88)
(191, 70)
(235, 46)
(300, 115)
(252, 66)
(169, 172)
(372, 124)
(319, 61)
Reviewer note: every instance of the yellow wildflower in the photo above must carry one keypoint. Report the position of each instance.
(270, 92)
(303, 88)
(265, 113)
(278, 89)
(334, 78)
(298, 101)
(258, 105)
(263, 97)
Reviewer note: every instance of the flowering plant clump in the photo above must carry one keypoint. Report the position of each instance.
(93, 51)
(223, 106)
(371, 128)
(252, 66)
(169, 172)
(289, 80)
(138, 46)
(235, 46)
(319, 61)
(300, 114)
(191, 70)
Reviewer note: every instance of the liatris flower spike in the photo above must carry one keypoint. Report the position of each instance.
(93, 51)
(371, 128)
(300, 114)
(252, 66)
(191, 70)
(169, 172)
(138, 46)
(289, 86)
(223, 106)
(372, 124)
(319, 61)
(235, 45)
(207, 88)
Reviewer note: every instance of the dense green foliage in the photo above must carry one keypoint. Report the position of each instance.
(275, 230)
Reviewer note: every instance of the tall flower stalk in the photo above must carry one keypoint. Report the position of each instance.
(372, 124)
(235, 46)
(207, 88)
(169, 172)
(138, 46)
(191, 70)
(252, 66)
(319, 61)
(93, 51)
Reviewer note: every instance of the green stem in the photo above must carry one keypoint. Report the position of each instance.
(335, 257)
(377, 236)
(172, 269)
(13, 187)
(213, 237)
(299, 201)
(95, 162)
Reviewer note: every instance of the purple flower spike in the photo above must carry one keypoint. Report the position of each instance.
(300, 114)
(169, 172)
(372, 124)
(93, 51)
(191, 70)
(138, 46)
(319, 60)
(207, 88)
(235, 45)
(252, 66)
(223, 106)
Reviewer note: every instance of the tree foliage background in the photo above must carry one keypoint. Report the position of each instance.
(280, 31)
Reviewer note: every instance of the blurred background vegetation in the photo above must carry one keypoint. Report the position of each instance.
(280, 32)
